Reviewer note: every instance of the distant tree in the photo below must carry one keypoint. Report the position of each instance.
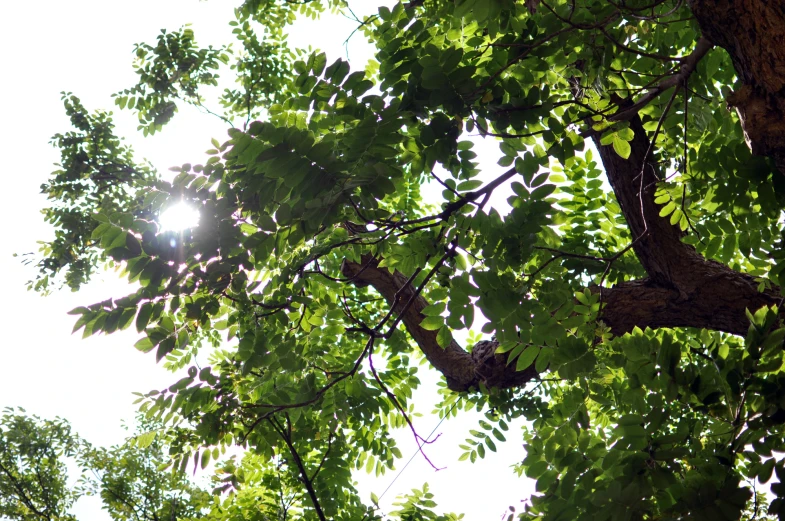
(33, 478)
(631, 291)
(130, 478)
(134, 485)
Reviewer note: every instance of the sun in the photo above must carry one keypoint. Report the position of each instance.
(179, 217)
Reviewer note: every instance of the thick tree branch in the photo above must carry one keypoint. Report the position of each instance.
(462, 370)
(658, 247)
(683, 289)
(717, 303)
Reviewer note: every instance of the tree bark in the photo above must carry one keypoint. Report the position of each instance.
(718, 302)
(753, 33)
(683, 289)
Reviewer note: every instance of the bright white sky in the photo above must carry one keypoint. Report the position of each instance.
(85, 46)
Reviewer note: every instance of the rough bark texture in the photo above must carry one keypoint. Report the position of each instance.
(716, 300)
(682, 289)
(634, 186)
(753, 33)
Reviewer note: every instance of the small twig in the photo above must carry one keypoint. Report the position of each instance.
(414, 295)
(558, 254)
(639, 52)
(452, 190)
(281, 407)
(397, 298)
(394, 399)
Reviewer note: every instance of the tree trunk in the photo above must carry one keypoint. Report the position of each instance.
(753, 33)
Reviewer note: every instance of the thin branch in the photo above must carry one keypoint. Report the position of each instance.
(285, 435)
(22, 495)
(639, 52)
(282, 407)
(397, 299)
(394, 399)
(688, 65)
(445, 185)
(465, 199)
(418, 291)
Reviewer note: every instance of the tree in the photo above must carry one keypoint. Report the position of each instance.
(631, 292)
(133, 484)
(35, 484)
(33, 477)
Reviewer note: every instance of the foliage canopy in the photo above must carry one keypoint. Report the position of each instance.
(35, 483)
(629, 293)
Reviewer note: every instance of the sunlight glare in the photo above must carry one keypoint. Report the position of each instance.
(179, 217)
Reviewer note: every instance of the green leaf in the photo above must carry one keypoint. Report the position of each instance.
(100, 230)
(432, 323)
(166, 346)
(318, 63)
(444, 337)
(626, 134)
(631, 419)
(507, 346)
(144, 345)
(527, 357)
(542, 192)
(765, 470)
(145, 439)
(621, 147)
(674, 418)
(434, 310)
(467, 186)
(667, 209)
(143, 318)
(267, 223)
(464, 7)
(527, 166)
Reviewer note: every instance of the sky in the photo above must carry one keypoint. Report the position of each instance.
(85, 47)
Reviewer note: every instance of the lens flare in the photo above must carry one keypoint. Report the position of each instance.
(179, 217)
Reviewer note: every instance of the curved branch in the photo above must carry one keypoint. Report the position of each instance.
(683, 289)
(462, 370)
(658, 244)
